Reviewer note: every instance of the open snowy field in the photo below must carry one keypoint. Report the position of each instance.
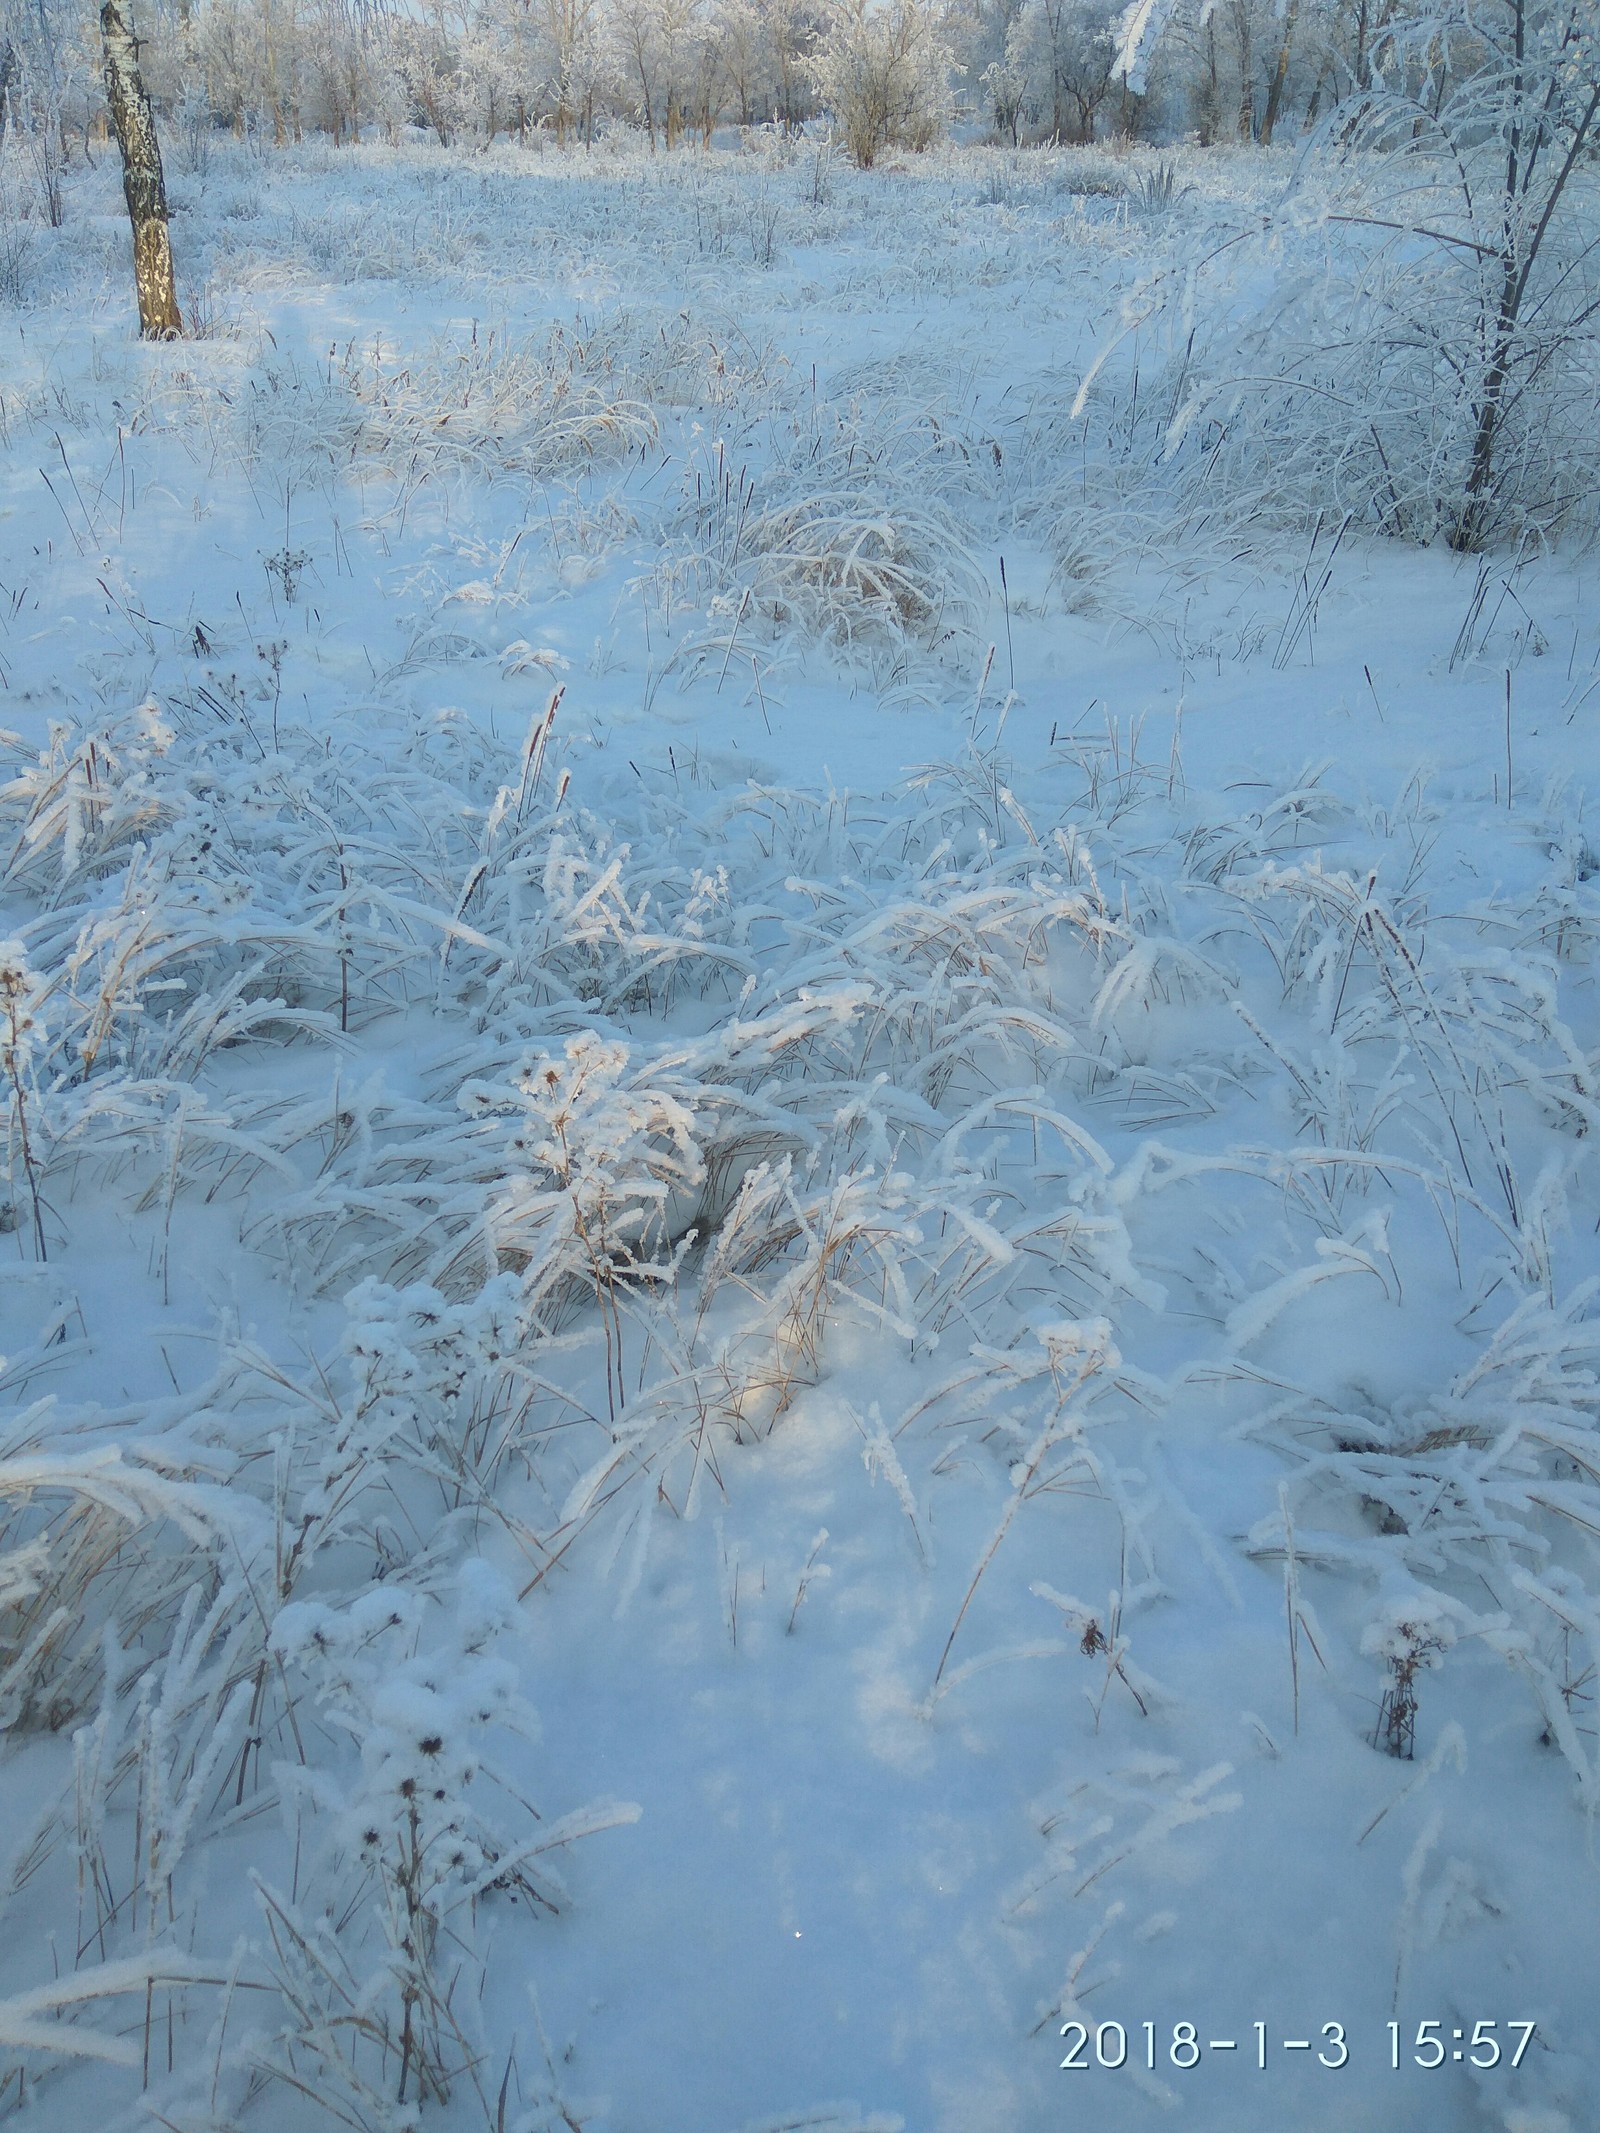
(801, 1283)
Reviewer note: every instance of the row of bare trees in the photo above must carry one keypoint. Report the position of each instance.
(476, 70)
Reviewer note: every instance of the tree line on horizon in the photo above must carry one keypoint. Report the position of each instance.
(890, 73)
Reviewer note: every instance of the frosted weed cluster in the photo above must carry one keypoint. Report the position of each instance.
(591, 1258)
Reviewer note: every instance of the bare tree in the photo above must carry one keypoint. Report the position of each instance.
(143, 184)
(884, 74)
(1061, 52)
(8, 74)
(1473, 160)
(1280, 72)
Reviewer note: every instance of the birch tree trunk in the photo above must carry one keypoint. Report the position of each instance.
(142, 182)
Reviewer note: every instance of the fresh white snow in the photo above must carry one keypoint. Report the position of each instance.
(902, 1262)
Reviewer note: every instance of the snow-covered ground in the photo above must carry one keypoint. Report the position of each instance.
(926, 1267)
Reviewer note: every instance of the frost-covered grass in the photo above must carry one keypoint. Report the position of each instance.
(748, 1121)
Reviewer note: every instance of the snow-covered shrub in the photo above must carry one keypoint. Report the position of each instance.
(493, 405)
(20, 235)
(1482, 134)
(381, 1979)
(1410, 1632)
(68, 1575)
(606, 1170)
(21, 1028)
(884, 74)
(852, 536)
(1407, 339)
